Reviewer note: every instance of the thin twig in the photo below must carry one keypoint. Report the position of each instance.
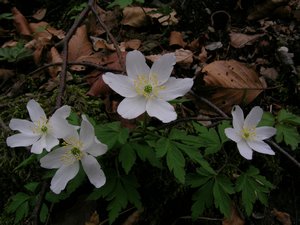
(283, 152)
(111, 37)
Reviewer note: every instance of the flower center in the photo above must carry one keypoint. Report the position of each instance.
(77, 153)
(148, 88)
(248, 133)
(41, 126)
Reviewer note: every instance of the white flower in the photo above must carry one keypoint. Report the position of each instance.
(245, 133)
(41, 132)
(148, 89)
(82, 147)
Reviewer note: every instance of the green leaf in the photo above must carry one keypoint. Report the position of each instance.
(221, 127)
(286, 117)
(209, 139)
(44, 213)
(111, 134)
(16, 201)
(163, 145)
(288, 134)
(145, 152)
(253, 187)
(6, 16)
(267, 120)
(32, 187)
(21, 212)
(176, 163)
(74, 119)
(76, 181)
(26, 162)
(221, 190)
(123, 3)
(127, 157)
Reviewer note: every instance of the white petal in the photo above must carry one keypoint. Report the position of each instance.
(264, 132)
(63, 111)
(73, 138)
(174, 88)
(21, 140)
(121, 84)
(38, 146)
(245, 150)
(51, 142)
(260, 146)
(253, 117)
(131, 108)
(237, 118)
(96, 148)
(59, 126)
(23, 126)
(162, 68)
(87, 133)
(136, 65)
(161, 109)
(35, 111)
(93, 170)
(232, 134)
(62, 176)
(53, 159)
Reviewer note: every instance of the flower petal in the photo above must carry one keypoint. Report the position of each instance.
(87, 133)
(53, 159)
(51, 142)
(121, 84)
(59, 126)
(62, 176)
(35, 111)
(260, 146)
(131, 108)
(265, 132)
(21, 140)
(237, 118)
(175, 88)
(232, 134)
(253, 117)
(96, 148)
(245, 150)
(23, 126)
(39, 145)
(93, 170)
(162, 68)
(161, 109)
(136, 65)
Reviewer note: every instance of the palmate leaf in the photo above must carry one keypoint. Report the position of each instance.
(253, 187)
(288, 134)
(146, 153)
(127, 157)
(176, 163)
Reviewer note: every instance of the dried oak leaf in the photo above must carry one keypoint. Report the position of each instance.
(79, 47)
(176, 39)
(282, 217)
(235, 218)
(235, 83)
(20, 22)
(55, 57)
(239, 40)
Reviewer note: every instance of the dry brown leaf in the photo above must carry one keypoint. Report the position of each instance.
(20, 22)
(40, 14)
(79, 45)
(282, 217)
(235, 83)
(239, 40)
(55, 57)
(94, 219)
(99, 87)
(133, 218)
(133, 44)
(270, 73)
(235, 218)
(184, 57)
(176, 39)
(5, 75)
(203, 55)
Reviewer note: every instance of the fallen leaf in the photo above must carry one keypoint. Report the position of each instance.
(213, 46)
(239, 40)
(270, 73)
(176, 39)
(282, 217)
(203, 55)
(40, 14)
(235, 218)
(133, 44)
(5, 75)
(235, 83)
(94, 219)
(20, 22)
(54, 57)
(184, 57)
(133, 218)
(99, 87)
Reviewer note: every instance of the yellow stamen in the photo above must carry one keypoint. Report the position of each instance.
(248, 133)
(148, 88)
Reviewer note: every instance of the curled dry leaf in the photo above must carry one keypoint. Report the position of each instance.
(133, 218)
(184, 57)
(20, 22)
(235, 218)
(282, 217)
(99, 87)
(176, 39)
(40, 14)
(55, 57)
(94, 219)
(235, 83)
(239, 40)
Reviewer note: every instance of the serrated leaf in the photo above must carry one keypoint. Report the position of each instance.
(16, 201)
(21, 212)
(183, 137)
(127, 157)
(32, 186)
(176, 163)
(267, 120)
(145, 152)
(210, 141)
(221, 128)
(44, 213)
(287, 117)
(288, 134)
(74, 119)
(163, 145)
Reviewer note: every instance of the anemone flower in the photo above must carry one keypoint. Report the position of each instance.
(247, 135)
(82, 147)
(148, 89)
(40, 132)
